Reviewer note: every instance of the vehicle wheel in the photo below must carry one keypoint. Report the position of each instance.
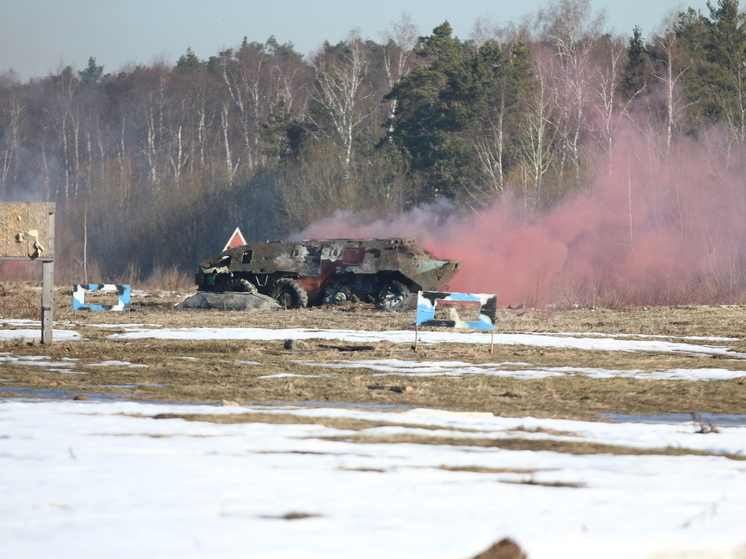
(289, 293)
(241, 285)
(393, 297)
(338, 294)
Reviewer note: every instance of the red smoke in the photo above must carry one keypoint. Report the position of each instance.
(652, 231)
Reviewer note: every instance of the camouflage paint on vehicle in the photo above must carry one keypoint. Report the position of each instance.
(331, 271)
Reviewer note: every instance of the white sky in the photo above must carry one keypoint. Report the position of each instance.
(38, 37)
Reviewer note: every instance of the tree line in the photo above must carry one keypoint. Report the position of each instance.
(153, 166)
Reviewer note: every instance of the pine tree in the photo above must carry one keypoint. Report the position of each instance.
(189, 62)
(726, 52)
(633, 78)
(713, 55)
(432, 108)
(93, 74)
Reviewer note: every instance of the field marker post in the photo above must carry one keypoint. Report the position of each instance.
(47, 301)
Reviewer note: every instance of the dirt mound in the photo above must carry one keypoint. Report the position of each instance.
(504, 549)
(229, 301)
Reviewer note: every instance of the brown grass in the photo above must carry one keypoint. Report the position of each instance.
(294, 515)
(170, 280)
(566, 447)
(217, 369)
(531, 481)
(484, 470)
(20, 300)
(284, 419)
(512, 443)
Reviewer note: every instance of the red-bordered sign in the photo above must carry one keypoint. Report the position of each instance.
(236, 240)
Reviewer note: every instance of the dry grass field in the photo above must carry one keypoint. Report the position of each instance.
(265, 375)
(217, 370)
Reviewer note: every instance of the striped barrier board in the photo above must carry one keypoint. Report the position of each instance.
(427, 302)
(79, 291)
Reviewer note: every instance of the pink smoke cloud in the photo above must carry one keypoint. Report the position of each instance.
(652, 231)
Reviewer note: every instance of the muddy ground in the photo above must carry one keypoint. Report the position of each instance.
(229, 371)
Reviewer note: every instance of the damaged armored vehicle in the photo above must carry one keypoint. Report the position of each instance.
(315, 272)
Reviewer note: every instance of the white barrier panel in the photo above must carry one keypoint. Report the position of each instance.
(79, 291)
(427, 301)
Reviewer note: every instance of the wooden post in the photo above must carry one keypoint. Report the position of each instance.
(47, 301)
(47, 286)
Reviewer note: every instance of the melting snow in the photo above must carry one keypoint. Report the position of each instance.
(28, 334)
(88, 479)
(115, 363)
(405, 336)
(92, 478)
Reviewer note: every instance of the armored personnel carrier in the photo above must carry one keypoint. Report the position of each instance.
(315, 272)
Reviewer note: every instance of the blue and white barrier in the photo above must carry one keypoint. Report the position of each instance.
(79, 291)
(427, 301)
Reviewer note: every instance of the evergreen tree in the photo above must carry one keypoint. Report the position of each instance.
(93, 74)
(634, 78)
(189, 62)
(456, 114)
(713, 51)
(726, 52)
(432, 106)
(498, 111)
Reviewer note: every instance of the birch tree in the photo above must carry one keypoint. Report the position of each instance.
(573, 32)
(398, 57)
(342, 93)
(669, 73)
(11, 117)
(496, 129)
(606, 86)
(538, 131)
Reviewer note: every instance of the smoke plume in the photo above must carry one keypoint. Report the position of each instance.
(650, 231)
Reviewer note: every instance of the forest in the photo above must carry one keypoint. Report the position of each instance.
(562, 162)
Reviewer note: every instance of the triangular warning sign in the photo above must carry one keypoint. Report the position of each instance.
(236, 240)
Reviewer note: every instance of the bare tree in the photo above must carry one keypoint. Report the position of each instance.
(490, 149)
(574, 33)
(316, 185)
(64, 121)
(242, 76)
(11, 121)
(605, 84)
(538, 131)
(225, 126)
(669, 76)
(259, 78)
(398, 58)
(342, 92)
(489, 136)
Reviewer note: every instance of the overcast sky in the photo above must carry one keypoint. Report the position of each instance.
(38, 37)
